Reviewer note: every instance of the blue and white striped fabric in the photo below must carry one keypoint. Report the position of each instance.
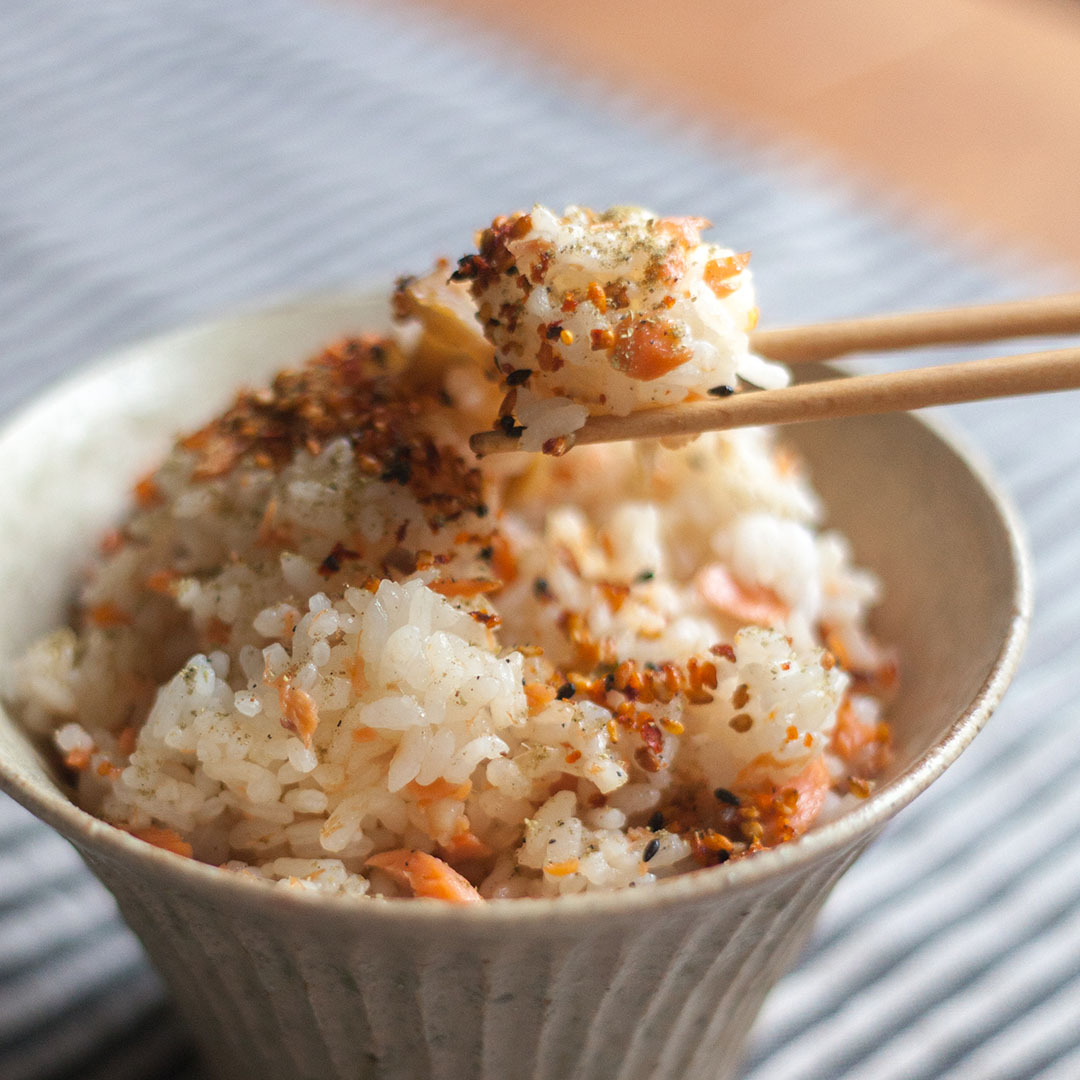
(163, 160)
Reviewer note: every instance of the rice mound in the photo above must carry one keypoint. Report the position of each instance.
(327, 649)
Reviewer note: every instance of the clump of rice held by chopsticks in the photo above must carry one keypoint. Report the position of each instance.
(594, 314)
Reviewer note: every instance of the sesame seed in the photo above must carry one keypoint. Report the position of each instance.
(725, 796)
(651, 849)
(741, 722)
(509, 427)
(656, 822)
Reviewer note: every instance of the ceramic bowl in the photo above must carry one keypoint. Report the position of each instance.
(659, 982)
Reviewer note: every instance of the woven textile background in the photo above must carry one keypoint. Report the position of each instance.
(165, 160)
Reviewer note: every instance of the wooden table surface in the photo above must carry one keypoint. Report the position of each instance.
(969, 106)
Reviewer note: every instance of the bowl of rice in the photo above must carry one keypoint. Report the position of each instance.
(405, 765)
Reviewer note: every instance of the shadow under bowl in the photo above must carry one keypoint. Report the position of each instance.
(656, 982)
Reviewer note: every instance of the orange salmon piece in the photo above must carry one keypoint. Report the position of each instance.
(147, 493)
(300, 715)
(864, 748)
(465, 845)
(78, 759)
(426, 875)
(125, 741)
(163, 581)
(812, 785)
(426, 794)
(649, 350)
(539, 696)
(503, 561)
(719, 272)
(167, 839)
(754, 604)
(108, 615)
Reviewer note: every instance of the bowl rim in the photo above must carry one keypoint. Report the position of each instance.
(232, 890)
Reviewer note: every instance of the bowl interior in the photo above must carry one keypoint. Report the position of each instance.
(915, 509)
(948, 555)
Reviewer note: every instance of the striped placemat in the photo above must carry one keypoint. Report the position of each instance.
(164, 160)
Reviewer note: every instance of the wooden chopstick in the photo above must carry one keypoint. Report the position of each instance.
(946, 326)
(898, 391)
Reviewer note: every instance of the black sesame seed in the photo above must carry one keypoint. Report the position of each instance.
(656, 822)
(651, 848)
(553, 331)
(486, 552)
(516, 378)
(722, 856)
(331, 564)
(645, 575)
(541, 588)
(721, 391)
(565, 691)
(726, 796)
(481, 510)
(467, 269)
(399, 469)
(508, 427)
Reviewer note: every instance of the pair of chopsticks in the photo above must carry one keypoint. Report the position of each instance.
(898, 391)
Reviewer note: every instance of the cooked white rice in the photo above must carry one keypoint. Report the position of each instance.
(324, 646)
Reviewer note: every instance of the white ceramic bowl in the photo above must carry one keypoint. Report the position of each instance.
(659, 982)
